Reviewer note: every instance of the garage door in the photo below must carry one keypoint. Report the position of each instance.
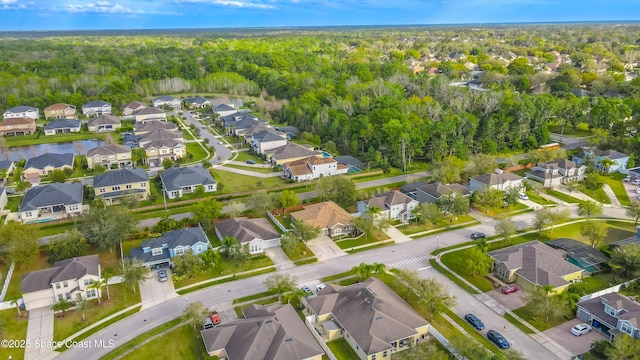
(38, 300)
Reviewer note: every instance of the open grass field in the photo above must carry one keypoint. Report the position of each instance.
(50, 139)
(615, 182)
(581, 130)
(197, 151)
(235, 182)
(182, 343)
(245, 155)
(225, 267)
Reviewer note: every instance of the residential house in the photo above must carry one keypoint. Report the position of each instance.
(289, 131)
(163, 144)
(105, 122)
(96, 107)
(503, 181)
(3, 198)
(635, 239)
(533, 265)
(224, 109)
(430, 193)
(166, 100)
(605, 160)
(393, 205)
(177, 181)
(60, 110)
(69, 279)
(22, 112)
(158, 252)
(371, 317)
(110, 156)
(312, 167)
(289, 152)
(62, 126)
(197, 102)
(146, 115)
(240, 122)
(352, 163)
(267, 332)
(17, 126)
(327, 216)
(132, 107)
(44, 165)
(266, 139)
(257, 234)
(112, 186)
(141, 129)
(51, 202)
(130, 139)
(557, 172)
(6, 167)
(611, 314)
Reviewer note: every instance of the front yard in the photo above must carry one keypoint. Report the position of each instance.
(413, 228)
(181, 343)
(502, 211)
(15, 329)
(243, 156)
(615, 182)
(232, 183)
(196, 151)
(368, 238)
(225, 267)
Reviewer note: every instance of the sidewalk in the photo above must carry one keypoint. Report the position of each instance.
(612, 195)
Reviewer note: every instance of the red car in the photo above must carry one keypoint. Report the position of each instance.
(509, 289)
(215, 317)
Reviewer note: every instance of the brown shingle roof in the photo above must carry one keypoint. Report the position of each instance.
(323, 215)
(244, 229)
(68, 269)
(390, 198)
(58, 106)
(17, 121)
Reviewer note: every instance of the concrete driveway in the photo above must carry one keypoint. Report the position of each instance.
(39, 328)
(576, 344)
(279, 258)
(324, 248)
(154, 292)
(510, 301)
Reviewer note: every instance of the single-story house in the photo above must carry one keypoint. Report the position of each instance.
(68, 279)
(17, 126)
(44, 165)
(534, 264)
(601, 159)
(502, 181)
(611, 314)
(166, 100)
(60, 110)
(158, 252)
(177, 181)
(557, 172)
(196, 102)
(112, 186)
(109, 155)
(3, 198)
(62, 126)
(96, 107)
(327, 216)
(132, 107)
(393, 205)
(257, 234)
(312, 167)
(104, 122)
(267, 332)
(371, 317)
(147, 114)
(51, 202)
(22, 111)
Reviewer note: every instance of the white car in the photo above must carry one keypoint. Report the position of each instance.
(636, 182)
(320, 287)
(627, 179)
(580, 329)
(523, 196)
(637, 190)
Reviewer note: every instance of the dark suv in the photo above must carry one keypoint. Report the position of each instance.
(498, 339)
(477, 235)
(474, 321)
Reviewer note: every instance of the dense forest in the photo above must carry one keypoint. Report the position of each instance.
(355, 89)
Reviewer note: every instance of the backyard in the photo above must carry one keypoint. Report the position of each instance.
(341, 349)
(236, 183)
(34, 139)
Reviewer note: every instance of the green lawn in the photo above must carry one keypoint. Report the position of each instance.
(236, 183)
(139, 339)
(245, 155)
(54, 229)
(541, 323)
(413, 228)
(615, 182)
(373, 238)
(301, 251)
(562, 196)
(501, 212)
(225, 267)
(599, 282)
(13, 202)
(253, 168)
(581, 130)
(342, 350)
(49, 139)
(539, 199)
(121, 298)
(187, 135)
(598, 195)
(15, 329)
(182, 343)
(197, 151)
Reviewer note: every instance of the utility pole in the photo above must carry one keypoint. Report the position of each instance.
(404, 156)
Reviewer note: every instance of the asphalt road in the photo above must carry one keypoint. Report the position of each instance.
(222, 152)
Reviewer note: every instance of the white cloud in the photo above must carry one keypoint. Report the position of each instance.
(14, 5)
(106, 7)
(230, 3)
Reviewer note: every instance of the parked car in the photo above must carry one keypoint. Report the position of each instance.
(636, 182)
(219, 142)
(162, 275)
(627, 179)
(637, 190)
(320, 287)
(523, 196)
(208, 324)
(215, 317)
(580, 329)
(250, 162)
(477, 235)
(497, 338)
(307, 291)
(474, 321)
(509, 289)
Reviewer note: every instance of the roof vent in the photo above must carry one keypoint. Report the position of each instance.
(288, 340)
(268, 321)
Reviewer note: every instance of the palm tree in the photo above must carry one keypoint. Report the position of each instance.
(97, 285)
(362, 271)
(134, 272)
(605, 164)
(378, 268)
(481, 243)
(374, 213)
(106, 277)
(294, 295)
(82, 305)
(61, 306)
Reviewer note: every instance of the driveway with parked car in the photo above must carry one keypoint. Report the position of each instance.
(511, 301)
(157, 289)
(576, 344)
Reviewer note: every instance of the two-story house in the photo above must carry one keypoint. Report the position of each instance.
(146, 115)
(51, 202)
(266, 140)
(166, 100)
(197, 102)
(96, 107)
(105, 122)
(109, 156)
(22, 112)
(502, 181)
(69, 279)
(224, 109)
(289, 152)
(60, 110)
(44, 164)
(17, 126)
(432, 192)
(393, 205)
(604, 160)
(177, 181)
(112, 186)
(369, 316)
(163, 144)
(132, 107)
(62, 126)
(557, 172)
(257, 234)
(312, 167)
(159, 252)
(611, 314)
(142, 129)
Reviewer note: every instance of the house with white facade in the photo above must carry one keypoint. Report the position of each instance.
(132, 107)
(51, 202)
(557, 172)
(197, 102)
(69, 279)
(177, 181)
(502, 181)
(611, 314)
(266, 139)
(166, 100)
(146, 115)
(604, 160)
(312, 167)
(393, 205)
(62, 126)
(224, 109)
(257, 234)
(158, 252)
(22, 112)
(96, 107)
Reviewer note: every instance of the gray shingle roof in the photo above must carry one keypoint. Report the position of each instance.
(496, 179)
(95, 103)
(289, 129)
(5, 164)
(165, 98)
(595, 307)
(21, 108)
(176, 178)
(160, 134)
(195, 100)
(223, 107)
(68, 269)
(62, 124)
(267, 135)
(149, 111)
(52, 194)
(272, 332)
(104, 119)
(182, 237)
(157, 144)
(437, 189)
(390, 198)
(290, 150)
(350, 161)
(245, 230)
(154, 125)
(50, 159)
(109, 149)
(120, 177)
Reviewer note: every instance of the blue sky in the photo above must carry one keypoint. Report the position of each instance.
(154, 14)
